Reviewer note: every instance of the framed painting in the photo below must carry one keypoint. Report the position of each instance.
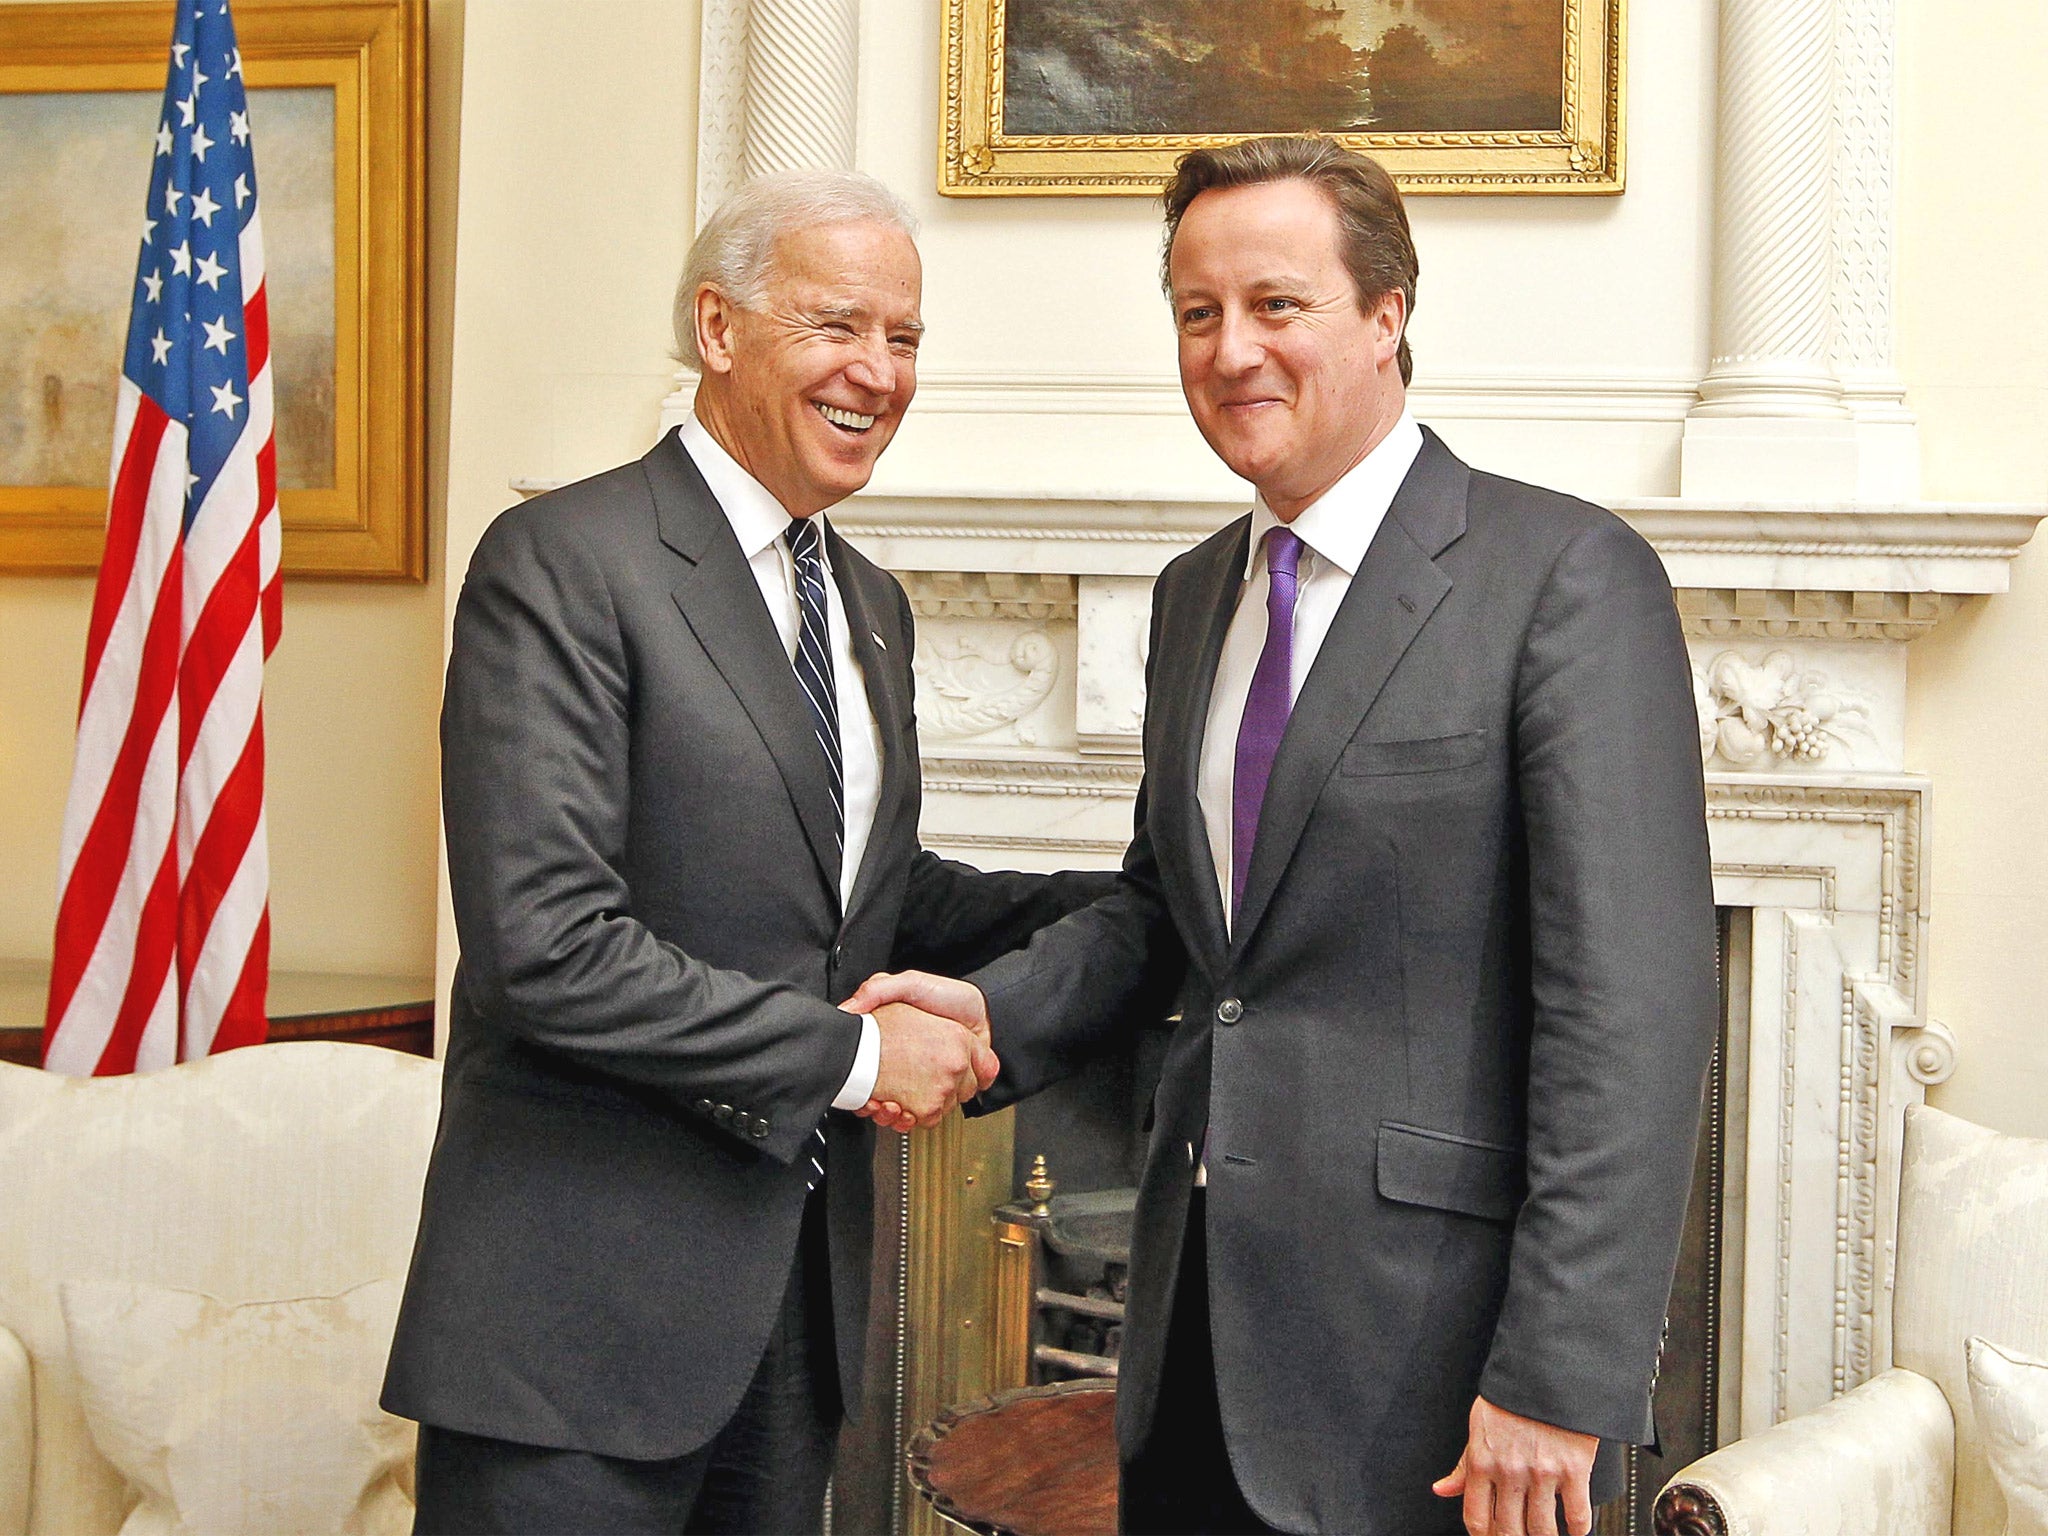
(1103, 96)
(337, 111)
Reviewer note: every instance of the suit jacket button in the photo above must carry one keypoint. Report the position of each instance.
(704, 1106)
(759, 1129)
(1229, 1011)
(723, 1114)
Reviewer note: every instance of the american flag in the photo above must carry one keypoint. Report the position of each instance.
(163, 923)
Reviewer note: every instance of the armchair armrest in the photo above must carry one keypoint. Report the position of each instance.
(1878, 1461)
(17, 1434)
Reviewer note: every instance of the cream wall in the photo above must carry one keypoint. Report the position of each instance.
(1974, 342)
(349, 704)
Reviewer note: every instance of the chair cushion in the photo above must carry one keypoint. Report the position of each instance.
(1973, 1259)
(291, 1169)
(2009, 1393)
(243, 1420)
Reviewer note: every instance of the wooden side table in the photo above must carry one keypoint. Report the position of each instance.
(1035, 1461)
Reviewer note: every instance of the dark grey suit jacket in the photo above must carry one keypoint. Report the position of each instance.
(642, 1035)
(1451, 1060)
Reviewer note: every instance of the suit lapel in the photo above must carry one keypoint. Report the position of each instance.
(865, 595)
(1397, 587)
(1183, 678)
(721, 602)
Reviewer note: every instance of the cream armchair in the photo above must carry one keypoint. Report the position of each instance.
(289, 1170)
(1901, 1455)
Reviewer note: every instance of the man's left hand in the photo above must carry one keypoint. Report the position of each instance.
(1515, 1470)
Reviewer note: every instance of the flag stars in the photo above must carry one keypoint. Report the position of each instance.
(201, 143)
(235, 67)
(199, 77)
(148, 230)
(153, 284)
(218, 336)
(178, 52)
(181, 257)
(238, 127)
(187, 106)
(163, 137)
(159, 347)
(211, 272)
(204, 207)
(172, 197)
(225, 399)
(242, 192)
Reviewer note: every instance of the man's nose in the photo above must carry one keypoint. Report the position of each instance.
(874, 369)
(1237, 346)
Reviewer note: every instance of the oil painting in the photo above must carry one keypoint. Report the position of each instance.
(1454, 95)
(82, 159)
(337, 126)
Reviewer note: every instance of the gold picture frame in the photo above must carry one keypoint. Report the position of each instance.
(1456, 152)
(359, 512)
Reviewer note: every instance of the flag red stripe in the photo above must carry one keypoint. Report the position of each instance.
(124, 531)
(216, 636)
(154, 942)
(89, 894)
(245, 1020)
(256, 323)
(218, 853)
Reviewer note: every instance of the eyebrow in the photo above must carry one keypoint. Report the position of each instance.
(856, 312)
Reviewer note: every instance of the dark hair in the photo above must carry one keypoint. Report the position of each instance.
(1372, 225)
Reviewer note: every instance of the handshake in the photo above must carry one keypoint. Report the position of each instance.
(935, 1046)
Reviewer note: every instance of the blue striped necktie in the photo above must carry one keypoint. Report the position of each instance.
(813, 663)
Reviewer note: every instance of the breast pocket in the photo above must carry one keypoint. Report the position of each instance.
(1448, 1173)
(1415, 754)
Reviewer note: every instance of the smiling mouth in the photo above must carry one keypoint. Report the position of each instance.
(850, 422)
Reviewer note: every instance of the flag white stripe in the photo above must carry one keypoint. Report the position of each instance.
(110, 697)
(219, 965)
(88, 1021)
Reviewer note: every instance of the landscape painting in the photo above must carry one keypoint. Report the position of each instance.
(1093, 96)
(81, 160)
(1278, 66)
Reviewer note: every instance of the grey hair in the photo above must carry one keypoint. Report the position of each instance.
(735, 250)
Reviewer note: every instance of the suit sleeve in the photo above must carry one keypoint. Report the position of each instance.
(1625, 995)
(957, 918)
(1082, 987)
(535, 739)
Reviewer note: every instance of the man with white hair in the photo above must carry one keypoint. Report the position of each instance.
(680, 786)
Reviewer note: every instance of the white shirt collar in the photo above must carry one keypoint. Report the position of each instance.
(1340, 524)
(758, 519)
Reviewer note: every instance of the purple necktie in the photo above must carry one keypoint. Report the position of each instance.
(1266, 708)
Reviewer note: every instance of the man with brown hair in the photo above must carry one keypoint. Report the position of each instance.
(1421, 867)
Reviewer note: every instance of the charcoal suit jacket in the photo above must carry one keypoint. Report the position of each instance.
(641, 1037)
(1449, 1060)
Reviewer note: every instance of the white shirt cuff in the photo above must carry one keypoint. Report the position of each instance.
(867, 1065)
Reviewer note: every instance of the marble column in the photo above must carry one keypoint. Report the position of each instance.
(1771, 423)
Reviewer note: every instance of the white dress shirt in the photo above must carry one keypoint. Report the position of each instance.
(1335, 532)
(759, 522)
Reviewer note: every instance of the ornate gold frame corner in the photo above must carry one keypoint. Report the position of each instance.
(371, 524)
(1587, 157)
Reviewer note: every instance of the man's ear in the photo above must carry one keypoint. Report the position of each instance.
(1389, 323)
(715, 315)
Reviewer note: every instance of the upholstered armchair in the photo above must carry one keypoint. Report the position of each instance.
(281, 1180)
(1904, 1454)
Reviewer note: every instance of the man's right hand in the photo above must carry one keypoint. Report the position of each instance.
(929, 1064)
